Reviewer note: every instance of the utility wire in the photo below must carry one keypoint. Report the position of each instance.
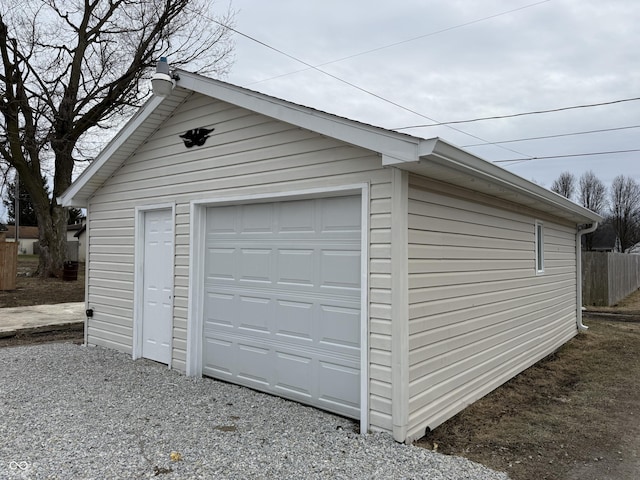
(586, 132)
(395, 44)
(522, 114)
(353, 85)
(448, 124)
(588, 154)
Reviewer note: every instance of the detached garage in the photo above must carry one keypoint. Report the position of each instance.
(384, 277)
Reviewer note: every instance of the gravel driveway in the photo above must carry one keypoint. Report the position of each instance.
(72, 412)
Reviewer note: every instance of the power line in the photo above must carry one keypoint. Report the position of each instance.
(353, 85)
(588, 154)
(586, 132)
(395, 44)
(448, 124)
(522, 114)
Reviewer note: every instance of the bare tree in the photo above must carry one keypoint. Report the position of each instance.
(592, 195)
(70, 68)
(625, 211)
(565, 185)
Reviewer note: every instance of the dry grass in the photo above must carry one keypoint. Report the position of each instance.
(574, 415)
(629, 305)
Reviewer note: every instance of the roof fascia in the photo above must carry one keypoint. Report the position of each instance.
(396, 146)
(438, 151)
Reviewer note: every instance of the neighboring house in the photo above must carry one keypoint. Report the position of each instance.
(374, 274)
(27, 238)
(76, 234)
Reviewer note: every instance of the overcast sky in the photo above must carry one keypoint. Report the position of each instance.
(459, 60)
(452, 60)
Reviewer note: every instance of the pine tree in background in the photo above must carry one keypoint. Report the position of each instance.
(27, 213)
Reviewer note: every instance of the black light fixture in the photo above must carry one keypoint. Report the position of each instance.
(163, 81)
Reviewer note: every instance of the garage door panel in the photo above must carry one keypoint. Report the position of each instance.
(298, 217)
(341, 269)
(253, 364)
(223, 264)
(340, 214)
(254, 314)
(339, 382)
(339, 328)
(303, 317)
(293, 374)
(294, 320)
(257, 218)
(219, 357)
(283, 300)
(255, 264)
(224, 221)
(220, 309)
(296, 267)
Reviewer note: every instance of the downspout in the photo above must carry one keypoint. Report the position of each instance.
(581, 231)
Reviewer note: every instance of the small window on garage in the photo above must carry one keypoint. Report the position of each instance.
(539, 247)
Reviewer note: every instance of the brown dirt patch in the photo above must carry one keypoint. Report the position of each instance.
(574, 415)
(32, 290)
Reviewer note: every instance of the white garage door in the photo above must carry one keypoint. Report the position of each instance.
(282, 299)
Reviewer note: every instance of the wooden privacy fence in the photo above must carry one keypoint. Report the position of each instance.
(608, 277)
(8, 265)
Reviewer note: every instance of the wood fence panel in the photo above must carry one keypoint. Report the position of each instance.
(609, 277)
(8, 265)
(595, 279)
(624, 275)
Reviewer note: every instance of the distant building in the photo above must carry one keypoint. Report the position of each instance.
(27, 238)
(76, 235)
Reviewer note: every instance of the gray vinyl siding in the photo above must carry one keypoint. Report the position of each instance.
(247, 154)
(380, 306)
(110, 279)
(478, 311)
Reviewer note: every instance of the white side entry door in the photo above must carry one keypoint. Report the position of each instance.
(157, 285)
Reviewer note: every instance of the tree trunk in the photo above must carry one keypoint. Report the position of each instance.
(53, 242)
(52, 217)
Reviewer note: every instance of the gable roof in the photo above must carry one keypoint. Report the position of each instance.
(433, 157)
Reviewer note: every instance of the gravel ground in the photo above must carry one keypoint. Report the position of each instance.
(72, 412)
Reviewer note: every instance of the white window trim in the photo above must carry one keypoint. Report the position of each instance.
(539, 246)
(136, 351)
(198, 210)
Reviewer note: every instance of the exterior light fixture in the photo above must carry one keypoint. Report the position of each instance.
(163, 81)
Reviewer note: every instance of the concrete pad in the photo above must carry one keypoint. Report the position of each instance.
(14, 319)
